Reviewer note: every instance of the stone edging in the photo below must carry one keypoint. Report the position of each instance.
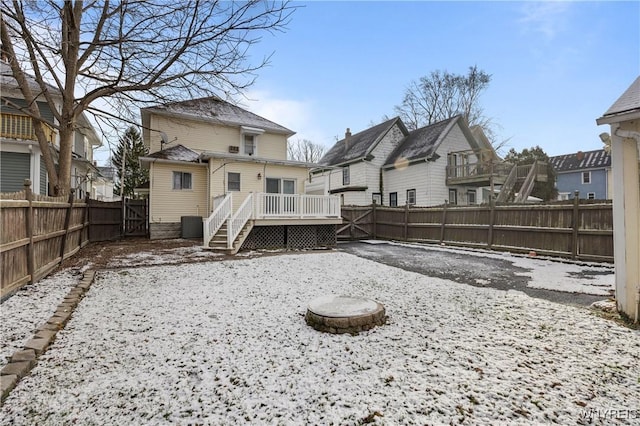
(22, 361)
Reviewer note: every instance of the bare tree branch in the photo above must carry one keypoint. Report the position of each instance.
(132, 52)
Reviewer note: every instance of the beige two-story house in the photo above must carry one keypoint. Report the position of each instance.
(215, 160)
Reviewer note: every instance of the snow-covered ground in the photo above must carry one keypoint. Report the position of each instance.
(548, 273)
(226, 343)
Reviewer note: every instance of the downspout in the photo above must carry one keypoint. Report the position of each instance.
(629, 134)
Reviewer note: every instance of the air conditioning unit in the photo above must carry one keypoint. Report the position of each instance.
(234, 149)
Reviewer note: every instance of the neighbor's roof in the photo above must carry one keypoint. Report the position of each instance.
(360, 144)
(422, 142)
(7, 81)
(175, 153)
(215, 110)
(581, 161)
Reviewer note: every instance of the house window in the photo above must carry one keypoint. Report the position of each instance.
(233, 181)
(471, 196)
(393, 199)
(249, 144)
(591, 195)
(181, 180)
(453, 196)
(376, 198)
(411, 196)
(346, 179)
(586, 177)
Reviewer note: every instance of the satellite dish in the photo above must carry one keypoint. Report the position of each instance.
(164, 138)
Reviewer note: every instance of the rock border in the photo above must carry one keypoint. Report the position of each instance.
(23, 360)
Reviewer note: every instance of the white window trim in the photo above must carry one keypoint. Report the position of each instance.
(414, 197)
(250, 131)
(582, 177)
(173, 188)
(591, 195)
(239, 182)
(346, 172)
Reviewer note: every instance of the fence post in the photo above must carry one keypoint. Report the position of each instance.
(67, 221)
(444, 220)
(575, 223)
(492, 212)
(85, 217)
(29, 225)
(405, 231)
(374, 219)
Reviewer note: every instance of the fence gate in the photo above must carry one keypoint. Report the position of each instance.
(136, 218)
(357, 223)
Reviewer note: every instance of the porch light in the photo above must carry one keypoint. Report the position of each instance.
(259, 176)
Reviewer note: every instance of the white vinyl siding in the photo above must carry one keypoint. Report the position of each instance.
(181, 181)
(427, 177)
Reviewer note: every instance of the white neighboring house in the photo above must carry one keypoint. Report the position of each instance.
(624, 137)
(388, 165)
(103, 184)
(20, 154)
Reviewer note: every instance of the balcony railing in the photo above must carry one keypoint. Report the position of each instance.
(15, 126)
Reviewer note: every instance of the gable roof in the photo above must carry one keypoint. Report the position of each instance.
(360, 144)
(8, 81)
(422, 143)
(597, 159)
(628, 103)
(214, 110)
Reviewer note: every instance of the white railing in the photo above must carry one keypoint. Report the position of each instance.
(239, 219)
(296, 206)
(212, 224)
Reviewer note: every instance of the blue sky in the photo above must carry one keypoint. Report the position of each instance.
(555, 66)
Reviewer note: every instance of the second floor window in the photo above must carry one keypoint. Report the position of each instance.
(249, 144)
(346, 179)
(181, 180)
(233, 181)
(586, 177)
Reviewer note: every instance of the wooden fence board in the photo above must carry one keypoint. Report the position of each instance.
(579, 230)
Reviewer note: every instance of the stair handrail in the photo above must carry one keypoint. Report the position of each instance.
(239, 219)
(508, 185)
(527, 185)
(212, 224)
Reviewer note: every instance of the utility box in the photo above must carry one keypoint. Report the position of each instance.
(191, 226)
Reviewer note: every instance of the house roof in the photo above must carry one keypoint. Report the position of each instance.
(175, 153)
(214, 110)
(359, 145)
(597, 159)
(629, 100)
(626, 105)
(423, 142)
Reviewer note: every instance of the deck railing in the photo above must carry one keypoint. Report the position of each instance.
(239, 219)
(212, 224)
(296, 206)
(15, 126)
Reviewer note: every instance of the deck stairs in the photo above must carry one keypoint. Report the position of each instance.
(219, 240)
(508, 185)
(527, 185)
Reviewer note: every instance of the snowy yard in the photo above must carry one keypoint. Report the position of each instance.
(225, 342)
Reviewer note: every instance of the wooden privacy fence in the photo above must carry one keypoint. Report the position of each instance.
(39, 232)
(577, 230)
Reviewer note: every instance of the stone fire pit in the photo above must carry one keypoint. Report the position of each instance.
(344, 314)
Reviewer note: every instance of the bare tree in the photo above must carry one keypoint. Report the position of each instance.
(441, 95)
(305, 150)
(104, 56)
